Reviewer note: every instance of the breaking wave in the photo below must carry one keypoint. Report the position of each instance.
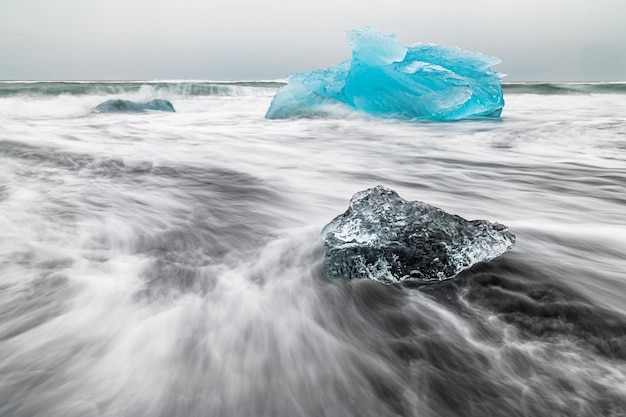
(250, 88)
(564, 88)
(176, 88)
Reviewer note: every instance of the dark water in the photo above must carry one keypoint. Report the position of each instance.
(169, 264)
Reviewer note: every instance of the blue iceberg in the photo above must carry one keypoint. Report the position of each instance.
(387, 79)
(127, 106)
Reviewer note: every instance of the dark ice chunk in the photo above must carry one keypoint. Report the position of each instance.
(388, 239)
(127, 106)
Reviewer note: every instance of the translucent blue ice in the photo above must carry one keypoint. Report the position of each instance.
(387, 79)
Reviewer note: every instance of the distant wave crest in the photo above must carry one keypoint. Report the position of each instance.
(179, 88)
(246, 88)
(564, 88)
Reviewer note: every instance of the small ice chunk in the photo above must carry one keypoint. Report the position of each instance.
(128, 106)
(388, 239)
(387, 79)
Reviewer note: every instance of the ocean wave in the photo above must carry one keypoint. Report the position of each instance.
(177, 88)
(251, 88)
(546, 88)
(170, 264)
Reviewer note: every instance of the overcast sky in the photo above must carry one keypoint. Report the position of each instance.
(243, 39)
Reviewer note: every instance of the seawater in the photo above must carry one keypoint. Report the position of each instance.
(169, 264)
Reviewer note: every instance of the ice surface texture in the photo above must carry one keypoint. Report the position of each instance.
(388, 239)
(127, 106)
(387, 79)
